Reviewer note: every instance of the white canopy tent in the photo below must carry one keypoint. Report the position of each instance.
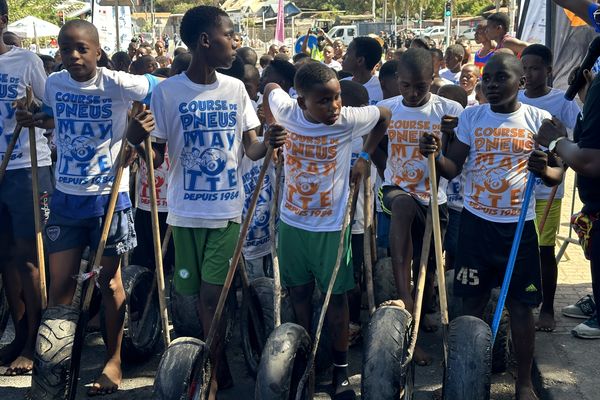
(31, 27)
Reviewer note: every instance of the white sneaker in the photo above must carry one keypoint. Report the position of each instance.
(584, 308)
(588, 329)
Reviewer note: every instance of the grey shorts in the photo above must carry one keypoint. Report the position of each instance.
(69, 233)
(16, 201)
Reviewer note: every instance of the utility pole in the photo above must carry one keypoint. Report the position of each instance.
(448, 20)
(373, 7)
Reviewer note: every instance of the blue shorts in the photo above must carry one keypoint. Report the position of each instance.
(383, 230)
(70, 233)
(451, 237)
(16, 201)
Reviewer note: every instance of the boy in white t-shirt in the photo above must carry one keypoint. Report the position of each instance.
(537, 63)
(89, 108)
(208, 122)
(363, 54)
(405, 191)
(20, 68)
(317, 172)
(328, 54)
(494, 144)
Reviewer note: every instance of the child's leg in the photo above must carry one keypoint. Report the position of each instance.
(301, 297)
(523, 333)
(63, 266)
(547, 240)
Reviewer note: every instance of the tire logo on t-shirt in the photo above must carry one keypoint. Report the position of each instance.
(494, 180)
(307, 184)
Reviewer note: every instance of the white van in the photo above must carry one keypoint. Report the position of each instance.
(345, 33)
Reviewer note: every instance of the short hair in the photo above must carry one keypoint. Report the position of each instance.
(83, 25)
(162, 72)
(162, 60)
(456, 49)
(12, 38)
(285, 69)
(299, 56)
(281, 57)
(454, 92)
(389, 69)
(344, 74)
(250, 72)
(419, 42)
(121, 57)
(104, 61)
(179, 50)
(180, 63)
(417, 61)
(435, 52)
(265, 60)
(198, 20)
(511, 61)
(46, 58)
(541, 51)
(369, 48)
(3, 7)
(248, 55)
(473, 67)
(312, 74)
(354, 94)
(500, 19)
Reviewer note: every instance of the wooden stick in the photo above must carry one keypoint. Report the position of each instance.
(340, 253)
(437, 241)
(551, 197)
(368, 229)
(39, 243)
(200, 369)
(420, 289)
(274, 256)
(9, 150)
(158, 259)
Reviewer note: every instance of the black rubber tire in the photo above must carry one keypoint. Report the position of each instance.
(261, 294)
(139, 342)
(174, 373)
(4, 309)
(468, 374)
(184, 315)
(384, 285)
(282, 363)
(386, 342)
(53, 352)
(501, 352)
(454, 303)
(324, 358)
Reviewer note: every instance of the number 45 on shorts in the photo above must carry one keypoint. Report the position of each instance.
(468, 276)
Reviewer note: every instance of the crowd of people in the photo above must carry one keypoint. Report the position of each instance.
(333, 115)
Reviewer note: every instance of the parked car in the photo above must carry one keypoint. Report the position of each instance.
(435, 32)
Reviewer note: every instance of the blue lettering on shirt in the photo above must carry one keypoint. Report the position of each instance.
(258, 232)
(9, 91)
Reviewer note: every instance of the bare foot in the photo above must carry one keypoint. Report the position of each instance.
(393, 303)
(109, 381)
(545, 322)
(428, 323)
(11, 351)
(525, 393)
(22, 365)
(421, 358)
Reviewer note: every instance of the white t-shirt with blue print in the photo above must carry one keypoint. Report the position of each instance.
(203, 126)
(90, 121)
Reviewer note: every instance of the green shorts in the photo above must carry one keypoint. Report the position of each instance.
(548, 237)
(202, 254)
(305, 256)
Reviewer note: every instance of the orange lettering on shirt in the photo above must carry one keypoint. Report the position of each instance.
(325, 199)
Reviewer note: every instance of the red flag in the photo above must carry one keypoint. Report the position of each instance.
(279, 29)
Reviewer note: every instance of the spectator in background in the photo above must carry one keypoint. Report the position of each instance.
(248, 55)
(339, 50)
(497, 30)
(328, 54)
(285, 50)
(264, 61)
(419, 43)
(469, 76)
(281, 56)
(49, 63)
(273, 50)
(487, 46)
(180, 63)
(179, 50)
(453, 57)
(280, 72)
(438, 58)
(237, 40)
(160, 48)
(467, 57)
(12, 39)
(143, 65)
(121, 61)
(251, 79)
(162, 61)
(132, 47)
(388, 79)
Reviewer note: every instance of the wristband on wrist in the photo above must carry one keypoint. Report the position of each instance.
(364, 155)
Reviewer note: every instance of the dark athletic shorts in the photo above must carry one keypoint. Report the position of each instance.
(143, 254)
(482, 254)
(388, 194)
(16, 201)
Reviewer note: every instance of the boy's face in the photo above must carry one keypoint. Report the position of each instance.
(323, 103)
(328, 52)
(493, 31)
(452, 60)
(160, 48)
(350, 62)
(414, 87)
(79, 52)
(468, 78)
(499, 83)
(480, 35)
(536, 72)
(221, 45)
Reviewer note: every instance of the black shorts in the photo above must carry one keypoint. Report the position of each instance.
(482, 254)
(143, 254)
(388, 194)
